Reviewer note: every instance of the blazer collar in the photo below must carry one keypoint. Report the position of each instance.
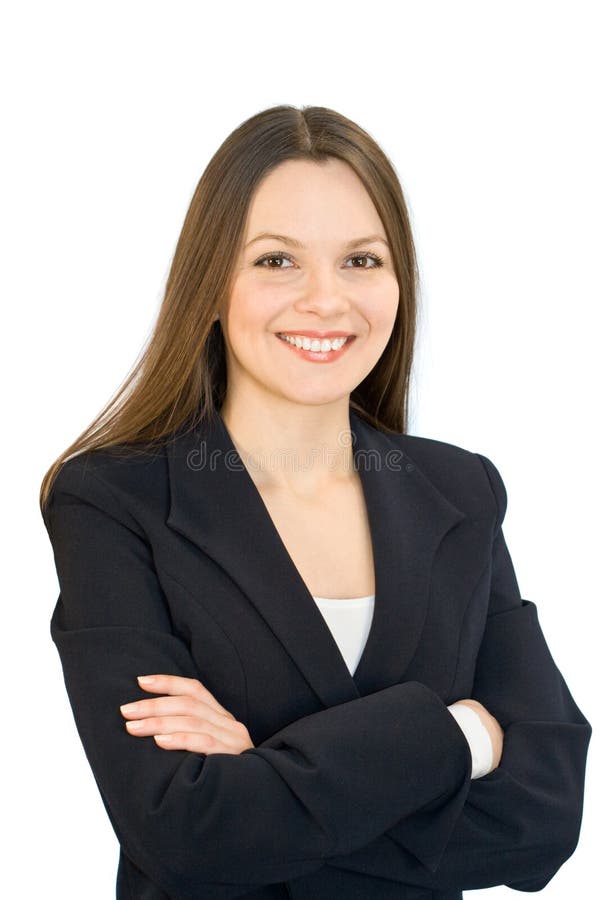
(215, 504)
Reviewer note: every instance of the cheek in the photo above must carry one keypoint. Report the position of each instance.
(252, 310)
(380, 308)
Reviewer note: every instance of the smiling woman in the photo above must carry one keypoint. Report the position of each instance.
(291, 633)
(330, 280)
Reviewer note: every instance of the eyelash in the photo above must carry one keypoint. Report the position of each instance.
(281, 255)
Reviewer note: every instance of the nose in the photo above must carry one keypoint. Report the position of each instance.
(324, 294)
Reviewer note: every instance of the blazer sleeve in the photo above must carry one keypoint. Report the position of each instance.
(219, 825)
(520, 822)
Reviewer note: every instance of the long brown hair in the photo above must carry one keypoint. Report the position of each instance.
(180, 378)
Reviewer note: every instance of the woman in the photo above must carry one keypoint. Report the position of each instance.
(345, 695)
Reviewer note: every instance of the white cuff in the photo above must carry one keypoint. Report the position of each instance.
(478, 738)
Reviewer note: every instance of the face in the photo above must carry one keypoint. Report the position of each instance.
(333, 274)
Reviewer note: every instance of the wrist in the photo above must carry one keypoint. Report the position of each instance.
(477, 736)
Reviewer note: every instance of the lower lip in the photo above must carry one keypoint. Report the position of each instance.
(314, 356)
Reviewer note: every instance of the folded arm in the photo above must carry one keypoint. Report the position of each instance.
(323, 786)
(521, 821)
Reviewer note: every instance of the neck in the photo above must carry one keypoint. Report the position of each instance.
(299, 448)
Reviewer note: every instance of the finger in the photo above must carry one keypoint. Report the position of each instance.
(193, 742)
(178, 684)
(178, 724)
(171, 706)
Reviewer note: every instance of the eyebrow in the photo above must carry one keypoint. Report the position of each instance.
(285, 239)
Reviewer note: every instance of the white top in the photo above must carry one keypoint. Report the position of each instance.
(349, 621)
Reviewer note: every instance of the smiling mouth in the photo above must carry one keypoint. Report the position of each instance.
(303, 347)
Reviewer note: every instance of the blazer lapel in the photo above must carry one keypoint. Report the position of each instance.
(216, 505)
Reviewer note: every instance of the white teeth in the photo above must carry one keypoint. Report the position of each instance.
(317, 346)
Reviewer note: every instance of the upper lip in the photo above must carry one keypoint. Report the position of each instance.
(317, 334)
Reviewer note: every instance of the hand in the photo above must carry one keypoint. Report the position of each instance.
(493, 726)
(189, 718)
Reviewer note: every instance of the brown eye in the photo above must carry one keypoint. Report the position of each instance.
(377, 260)
(272, 256)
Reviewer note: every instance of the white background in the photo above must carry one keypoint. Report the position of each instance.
(111, 111)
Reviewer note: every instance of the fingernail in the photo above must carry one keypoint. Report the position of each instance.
(163, 737)
(127, 708)
(145, 679)
(134, 725)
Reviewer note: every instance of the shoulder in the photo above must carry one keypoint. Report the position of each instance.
(466, 476)
(122, 481)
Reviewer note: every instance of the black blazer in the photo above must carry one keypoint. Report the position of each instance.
(358, 786)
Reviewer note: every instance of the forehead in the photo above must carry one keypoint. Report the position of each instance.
(312, 200)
